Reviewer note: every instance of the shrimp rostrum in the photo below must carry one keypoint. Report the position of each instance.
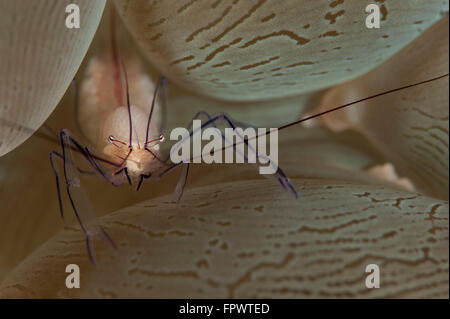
(122, 111)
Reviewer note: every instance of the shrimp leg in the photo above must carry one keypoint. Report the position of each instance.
(179, 189)
(78, 198)
(222, 118)
(54, 154)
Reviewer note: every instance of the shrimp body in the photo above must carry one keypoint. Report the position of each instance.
(104, 118)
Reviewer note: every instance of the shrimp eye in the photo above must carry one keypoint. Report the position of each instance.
(113, 141)
(161, 138)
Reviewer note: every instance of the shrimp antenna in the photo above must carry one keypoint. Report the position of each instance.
(361, 100)
(340, 107)
(128, 101)
(117, 61)
(151, 109)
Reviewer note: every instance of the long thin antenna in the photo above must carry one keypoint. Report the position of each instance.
(358, 101)
(338, 108)
(151, 110)
(117, 61)
(128, 102)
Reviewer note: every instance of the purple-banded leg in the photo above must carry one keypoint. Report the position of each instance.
(179, 189)
(222, 118)
(53, 156)
(78, 198)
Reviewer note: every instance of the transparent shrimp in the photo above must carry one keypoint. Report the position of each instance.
(125, 136)
(124, 124)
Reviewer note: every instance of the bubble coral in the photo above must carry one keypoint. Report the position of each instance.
(234, 235)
